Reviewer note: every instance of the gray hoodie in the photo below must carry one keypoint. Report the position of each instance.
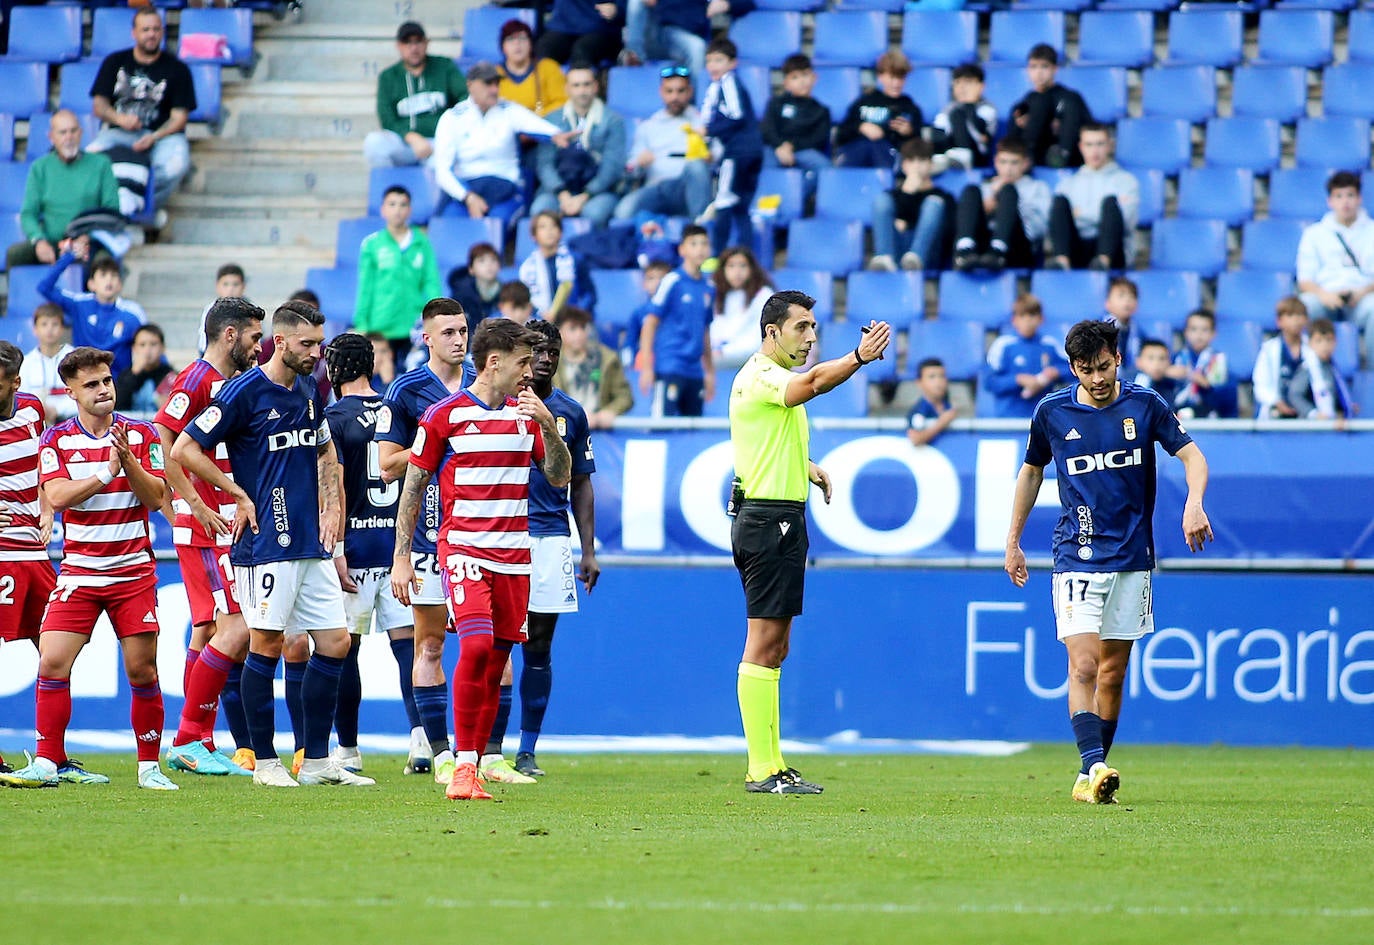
(1087, 188)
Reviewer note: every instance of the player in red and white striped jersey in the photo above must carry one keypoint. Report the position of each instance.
(484, 541)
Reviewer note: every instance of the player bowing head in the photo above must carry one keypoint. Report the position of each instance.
(298, 332)
(1095, 360)
(239, 321)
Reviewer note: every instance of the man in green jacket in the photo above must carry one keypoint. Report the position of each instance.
(397, 275)
(411, 95)
(61, 184)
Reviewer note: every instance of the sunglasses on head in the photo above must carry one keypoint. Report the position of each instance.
(680, 72)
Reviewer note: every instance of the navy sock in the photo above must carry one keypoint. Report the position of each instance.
(1087, 730)
(536, 682)
(259, 673)
(498, 727)
(295, 675)
(231, 707)
(404, 651)
(350, 697)
(1108, 736)
(431, 702)
(319, 695)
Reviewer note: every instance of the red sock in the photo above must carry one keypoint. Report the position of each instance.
(192, 656)
(469, 688)
(496, 666)
(203, 687)
(145, 714)
(52, 715)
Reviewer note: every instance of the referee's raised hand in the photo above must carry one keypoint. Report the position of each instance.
(875, 339)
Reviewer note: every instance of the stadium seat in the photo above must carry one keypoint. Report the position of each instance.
(234, 25)
(10, 231)
(13, 176)
(1189, 245)
(1296, 37)
(1014, 32)
(207, 79)
(24, 88)
(845, 402)
(632, 90)
(767, 37)
(846, 193)
(454, 236)
(46, 33)
(787, 183)
(618, 293)
(959, 344)
(1103, 89)
(1360, 36)
(337, 289)
(835, 246)
(1163, 143)
(1251, 143)
(985, 300)
(1167, 296)
(524, 239)
(6, 137)
(929, 88)
(23, 288)
(482, 32)
(1151, 180)
(940, 37)
(1154, 6)
(1336, 6)
(1298, 192)
(1188, 92)
(1115, 38)
(1217, 193)
(1205, 37)
(1347, 354)
(897, 298)
(1278, 92)
(1270, 244)
(417, 179)
(110, 27)
(801, 6)
(349, 237)
(836, 88)
(39, 122)
(852, 38)
(1333, 142)
(1072, 295)
(1345, 90)
(1240, 342)
(74, 84)
(1251, 294)
(1006, 85)
(1050, 175)
(818, 284)
(887, 6)
(1067, 6)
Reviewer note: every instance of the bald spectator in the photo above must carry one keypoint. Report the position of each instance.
(61, 184)
(411, 96)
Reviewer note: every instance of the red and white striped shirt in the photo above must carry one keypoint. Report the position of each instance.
(19, 437)
(108, 537)
(484, 481)
(191, 393)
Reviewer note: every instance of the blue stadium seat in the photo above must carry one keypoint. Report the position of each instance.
(1336, 6)
(349, 237)
(1360, 36)
(208, 82)
(10, 231)
(234, 25)
(1151, 180)
(1298, 192)
(1050, 175)
(836, 88)
(1189, 245)
(897, 298)
(1333, 142)
(1163, 143)
(1116, 38)
(419, 180)
(940, 37)
(835, 246)
(1006, 85)
(818, 284)
(846, 193)
(929, 88)
(887, 6)
(13, 176)
(1205, 37)
(847, 401)
(1188, 92)
(787, 183)
(110, 31)
(1014, 32)
(1240, 342)
(482, 32)
(1154, 6)
(632, 90)
(337, 289)
(24, 88)
(1347, 354)
(1345, 90)
(802, 6)
(39, 122)
(1071, 295)
(618, 293)
(1067, 6)
(1252, 143)
(1296, 37)
(854, 38)
(6, 138)
(1270, 244)
(74, 84)
(454, 236)
(767, 37)
(23, 288)
(957, 343)
(1167, 296)
(985, 300)
(1278, 92)
(756, 81)
(1103, 89)
(1217, 193)
(1251, 294)
(46, 33)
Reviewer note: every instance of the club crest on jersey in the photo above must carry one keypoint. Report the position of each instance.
(209, 419)
(1128, 428)
(522, 426)
(176, 407)
(562, 424)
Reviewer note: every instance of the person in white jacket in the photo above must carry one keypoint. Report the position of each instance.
(1336, 257)
(1279, 359)
(1094, 213)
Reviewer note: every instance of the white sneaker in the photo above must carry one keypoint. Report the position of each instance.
(155, 780)
(272, 773)
(350, 759)
(497, 769)
(912, 262)
(882, 263)
(316, 771)
(421, 757)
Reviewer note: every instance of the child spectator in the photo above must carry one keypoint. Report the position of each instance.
(1049, 117)
(729, 117)
(675, 340)
(742, 286)
(383, 362)
(1201, 372)
(1093, 216)
(1317, 390)
(99, 317)
(1002, 222)
(1023, 363)
(1152, 369)
(964, 130)
(230, 283)
(513, 302)
(1279, 359)
(590, 372)
(477, 286)
(397, 275)
(551, 266)
(880, 120)
(653, 277)
(931, 413)
(144, 385)
(1123, 299)
(796, 127)
(908, 223)
(38, 375)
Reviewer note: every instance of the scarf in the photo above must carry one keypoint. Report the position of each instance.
(1329, 392)
(534, 272)
(596, 113)
(1211, 364)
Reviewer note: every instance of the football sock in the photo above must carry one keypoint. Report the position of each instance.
(466, 758)
(536, 682)
(231, 704)
(1087, 730)
(203, 686)
(431, 702)
(499, 724)
(259, 672)
(319, 695)
(191, 657)
(1108, 736)
(778, 763)
(758, 694)
(350, 696)
(146, 766)
(469, 684)
(491, 704)
(52, 715)
(146, 716)
(404, 651)
(295, 676)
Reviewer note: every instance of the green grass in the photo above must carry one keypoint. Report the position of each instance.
(1208, 845)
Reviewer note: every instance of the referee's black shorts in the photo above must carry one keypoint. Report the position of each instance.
(770, 545)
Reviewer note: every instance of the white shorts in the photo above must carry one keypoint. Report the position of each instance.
(553, 575)
(291, 596)
(374, 597)
(429, 574)
(1115, 605)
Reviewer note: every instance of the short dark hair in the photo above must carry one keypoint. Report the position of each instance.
(477, 250)
(396, 189)
(48, 310)
(79, 359)
(691, 230)
(796, 62)
(969, 70)
(584, 64)
(1322, 326)
(547, 332)
(145, 11)
(499, 334)
(1290, 305)
(572, 315)
(223, 313)
(305, 295)
(514, 292)
(1202, 313)
(1342, 179)
(348, 357)
(11, 359)
(1027, 304)
(1122, 282)
(1043, 52)
(658, 265)
(230, 269)
(106, 264)
(725, 46)
(1095, 126)
(1089, 338)
(779, 304)
(152, 329)
(553, 215)
(917, 149)
(1153, 343)
(1014, 146)
(294, 314)
(441, 306)
(928, 362)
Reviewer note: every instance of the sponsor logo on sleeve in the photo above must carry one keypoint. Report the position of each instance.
(155, 455)
(178, 405)
(209, 419)
(48, 460)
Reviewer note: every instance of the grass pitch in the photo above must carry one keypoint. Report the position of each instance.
(1208, 845)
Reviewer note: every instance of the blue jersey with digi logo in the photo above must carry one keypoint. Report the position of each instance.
(369, 503)
(272, 434)
(549, 506)
(406, 401)
(1105, 460)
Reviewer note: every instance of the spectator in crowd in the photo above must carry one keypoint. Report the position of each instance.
(677, 30)
(590, 372)
(412, 94)
(653, 277)
(580, 180)
(1152, 369)
(742, 286)
(39, 375)
(1205, 386)
(1024, 363)
(582, 31)
(1093, 216)
(477, 286)
(551, 266)
(964, 130)
(144, 95)
(730, 121)
(60, 185)
(909, 222)
(796, 126)
(1050, 117)
(1002, 222)
(669, 183)
(397, 274)
(383, 361)
(675, 339)
(1336, 257)
(1279, 359)
(534, 83)
(99, 317)
(476, 154)
(932, 414)
(880, 120)
(143, 386)
(1123, 299)
(513, 302)
(230, 283)
(1317, 390)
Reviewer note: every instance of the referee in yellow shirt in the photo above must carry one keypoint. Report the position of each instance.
(770, 436)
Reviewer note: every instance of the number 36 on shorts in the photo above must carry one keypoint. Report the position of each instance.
(459, 571)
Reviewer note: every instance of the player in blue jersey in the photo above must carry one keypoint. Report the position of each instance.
(554, 576)
(369, 537)
(445, 334)
(286, 520)
(1101, 434)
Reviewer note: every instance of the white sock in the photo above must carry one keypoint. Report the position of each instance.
(443, 757)
(146, 766)
(467, 757)
(495, 759)
(46, 765)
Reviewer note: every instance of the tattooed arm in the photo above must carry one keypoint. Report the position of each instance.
(327, 463)
(407, 511)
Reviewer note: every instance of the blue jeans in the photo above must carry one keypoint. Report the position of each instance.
(388, 149)
(686, 196)
(810, 161)
(922, 239)
(504, 198)
(648, 39)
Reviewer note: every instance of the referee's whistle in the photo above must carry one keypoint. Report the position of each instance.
(864, 329)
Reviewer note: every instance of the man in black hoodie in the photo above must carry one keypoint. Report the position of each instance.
(881, 120)
(796, 127)
(1049, 117)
